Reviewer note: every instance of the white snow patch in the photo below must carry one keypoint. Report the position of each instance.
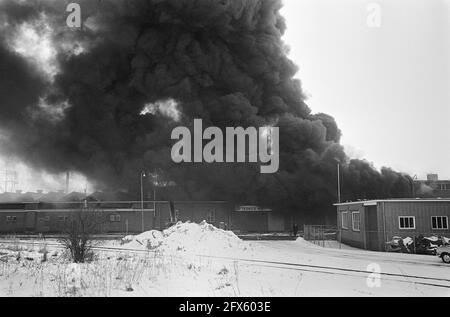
(192, 238)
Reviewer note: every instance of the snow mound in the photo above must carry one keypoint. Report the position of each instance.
(203, 238)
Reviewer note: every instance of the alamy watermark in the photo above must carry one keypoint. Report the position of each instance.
(374, 278)
(250, 145)
(374, 15)
(74, 18)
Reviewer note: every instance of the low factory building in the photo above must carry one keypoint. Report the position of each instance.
(371, 224)
(135, 216)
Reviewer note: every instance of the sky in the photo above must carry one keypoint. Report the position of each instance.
(387, 87)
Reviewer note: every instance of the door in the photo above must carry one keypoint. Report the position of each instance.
(30, 222)
(276, 222)
(371, 225)
(43, 224)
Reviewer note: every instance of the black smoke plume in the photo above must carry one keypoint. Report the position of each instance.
(221, 60)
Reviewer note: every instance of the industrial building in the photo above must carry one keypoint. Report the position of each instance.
(135, 216)
(432, 187)
(371, 224)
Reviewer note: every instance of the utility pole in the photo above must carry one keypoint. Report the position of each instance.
(339, 181)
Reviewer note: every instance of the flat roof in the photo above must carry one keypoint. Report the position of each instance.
(406, 200)
(92, 202)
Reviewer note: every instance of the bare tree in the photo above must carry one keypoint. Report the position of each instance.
(78, 234)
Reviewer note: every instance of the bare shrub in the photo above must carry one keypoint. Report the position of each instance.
(78, 235)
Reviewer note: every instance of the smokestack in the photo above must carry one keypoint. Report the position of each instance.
(67, 182)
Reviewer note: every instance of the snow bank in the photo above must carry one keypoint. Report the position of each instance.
(189, 237)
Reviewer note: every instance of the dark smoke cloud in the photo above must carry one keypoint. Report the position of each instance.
(222, 61)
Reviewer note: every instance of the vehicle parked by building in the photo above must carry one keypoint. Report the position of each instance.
(444, 253)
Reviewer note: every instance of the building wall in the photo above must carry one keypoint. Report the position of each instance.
(276, 222)
(349, 236)
(433, 188)
(12, 226)
(421, 210)
(386, 215)
(213, 212)
(109, 217)
(250, 221)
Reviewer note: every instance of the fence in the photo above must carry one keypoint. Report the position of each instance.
(324, 236)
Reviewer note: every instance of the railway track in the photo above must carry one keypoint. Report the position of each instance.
(329, 270)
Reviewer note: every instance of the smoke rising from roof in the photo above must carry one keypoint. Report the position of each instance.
(222, 61)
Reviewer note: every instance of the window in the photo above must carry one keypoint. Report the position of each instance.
(11, 219)
(407, 222)
(356, 220)
(439, 222)
(344, 220)
(114, 218)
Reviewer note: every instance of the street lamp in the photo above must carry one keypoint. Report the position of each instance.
(339, 196)
(155, 183)
(142, 201)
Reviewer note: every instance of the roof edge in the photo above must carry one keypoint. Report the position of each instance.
(375, 201)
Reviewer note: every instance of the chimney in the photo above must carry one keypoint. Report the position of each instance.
(67, 182)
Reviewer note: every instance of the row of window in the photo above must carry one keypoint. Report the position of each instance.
(437, 222)
(404, 222)
(46, 218)
(443, 186)
(112, 218)
(356, 220)
(210, 218)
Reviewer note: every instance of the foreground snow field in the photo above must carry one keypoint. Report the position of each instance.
(201, 260)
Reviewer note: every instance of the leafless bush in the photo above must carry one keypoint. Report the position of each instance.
(78, 235)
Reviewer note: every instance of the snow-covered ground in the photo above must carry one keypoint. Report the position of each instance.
(201, 260)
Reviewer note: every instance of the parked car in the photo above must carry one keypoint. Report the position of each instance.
(444, 253)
